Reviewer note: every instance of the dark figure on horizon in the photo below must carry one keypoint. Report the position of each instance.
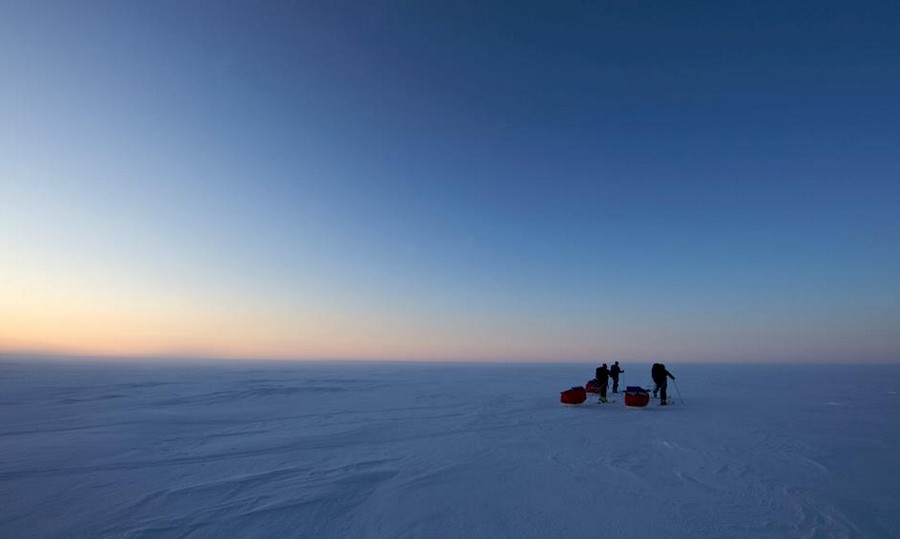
(660, 377)
(614, 373)
(602, 377)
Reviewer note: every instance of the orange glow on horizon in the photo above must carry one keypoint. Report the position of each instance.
(79, 318)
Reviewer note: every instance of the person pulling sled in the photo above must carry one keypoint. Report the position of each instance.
(661, 378)
(602, 377)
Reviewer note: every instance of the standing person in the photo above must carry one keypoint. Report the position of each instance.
(614, 372)
(660, 377)
(602, 381)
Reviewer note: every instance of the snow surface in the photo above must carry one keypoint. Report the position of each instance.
(448, 450)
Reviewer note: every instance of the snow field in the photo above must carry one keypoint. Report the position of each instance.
(443, 450)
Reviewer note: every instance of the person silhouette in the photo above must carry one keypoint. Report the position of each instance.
(602, 377)
(614, 373)
(660, 377)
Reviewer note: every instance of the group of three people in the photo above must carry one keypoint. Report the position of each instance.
(658, 373)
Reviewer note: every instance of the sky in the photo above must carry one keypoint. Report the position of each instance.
(539, 181)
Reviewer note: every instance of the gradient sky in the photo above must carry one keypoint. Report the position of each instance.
(451, 180)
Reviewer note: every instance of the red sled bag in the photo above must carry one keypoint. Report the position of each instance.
(576, 395)
(636, 396)
(592, 386)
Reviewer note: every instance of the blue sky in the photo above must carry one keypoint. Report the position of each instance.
(639, 180)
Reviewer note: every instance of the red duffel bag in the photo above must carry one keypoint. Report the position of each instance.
(576, 395)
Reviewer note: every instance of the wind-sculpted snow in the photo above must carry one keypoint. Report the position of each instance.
(433, 451)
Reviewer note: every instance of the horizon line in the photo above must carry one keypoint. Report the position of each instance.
(173, 358)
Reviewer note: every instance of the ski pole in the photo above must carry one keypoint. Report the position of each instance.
(678, 391)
